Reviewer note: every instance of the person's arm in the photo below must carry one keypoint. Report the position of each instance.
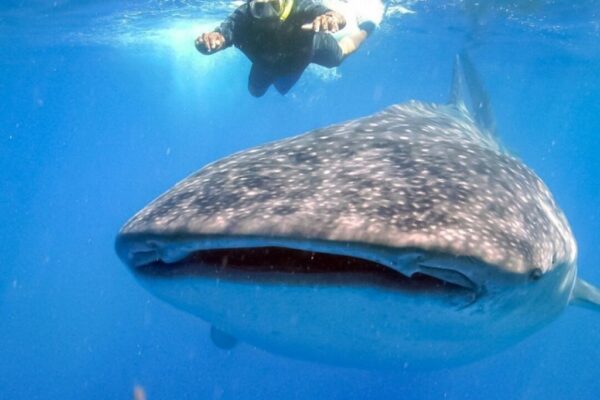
(321, 17)
(309, 9)
(221, 37)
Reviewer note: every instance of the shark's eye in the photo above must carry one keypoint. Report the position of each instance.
(536, 274)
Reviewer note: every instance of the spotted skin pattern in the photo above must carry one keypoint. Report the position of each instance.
(414, 175)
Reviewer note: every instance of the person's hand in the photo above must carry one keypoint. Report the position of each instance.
(210, 42)
(329, 22)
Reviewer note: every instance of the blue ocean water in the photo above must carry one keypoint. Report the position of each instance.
(105, 105)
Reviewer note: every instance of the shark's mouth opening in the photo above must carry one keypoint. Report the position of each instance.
(285, 264)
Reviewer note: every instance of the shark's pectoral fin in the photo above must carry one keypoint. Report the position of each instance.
(585, 295)
(222, 339)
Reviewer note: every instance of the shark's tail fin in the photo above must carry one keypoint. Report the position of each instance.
(467, 87)
(585, 295)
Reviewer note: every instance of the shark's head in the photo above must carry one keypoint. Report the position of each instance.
(406, 237)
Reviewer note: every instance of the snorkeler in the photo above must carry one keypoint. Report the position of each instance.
(281, 38)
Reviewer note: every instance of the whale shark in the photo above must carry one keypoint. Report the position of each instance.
(410, 237)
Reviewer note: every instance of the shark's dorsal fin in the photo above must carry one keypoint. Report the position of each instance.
(469, 96)
(585, 295)
(457, 92)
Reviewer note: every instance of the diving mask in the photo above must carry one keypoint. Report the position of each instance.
(266, 9)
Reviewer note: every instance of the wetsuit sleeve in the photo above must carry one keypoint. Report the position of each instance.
(309, 9)
(228, 27)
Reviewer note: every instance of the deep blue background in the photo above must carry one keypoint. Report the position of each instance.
(91, 130)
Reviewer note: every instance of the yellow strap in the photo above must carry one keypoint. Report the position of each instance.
(287, 10)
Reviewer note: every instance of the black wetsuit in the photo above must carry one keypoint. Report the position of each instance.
(279, 50)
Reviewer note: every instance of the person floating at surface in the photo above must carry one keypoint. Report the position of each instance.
(281, 38)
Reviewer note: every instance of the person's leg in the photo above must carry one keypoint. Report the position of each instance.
(349, 44)
(259, 81)
(369, 13)
(367, 16)
(283, 84)
(362, 17)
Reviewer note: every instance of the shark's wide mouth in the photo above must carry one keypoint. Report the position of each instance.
(280, 264)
